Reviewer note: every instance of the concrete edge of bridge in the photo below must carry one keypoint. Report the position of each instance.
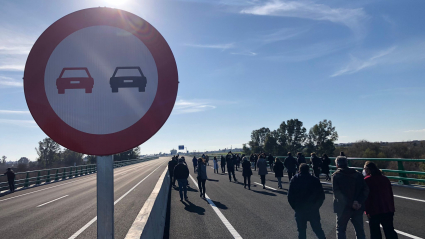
(150, 221)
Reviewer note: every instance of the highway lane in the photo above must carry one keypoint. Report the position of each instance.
(265, 213)
(21, 218)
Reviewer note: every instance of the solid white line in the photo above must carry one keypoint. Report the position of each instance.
(414, 199)
(403, 233)
(226, 223)
(52, 201)
(266, 186)
(75, 235)
(62, 184)
(139, 223)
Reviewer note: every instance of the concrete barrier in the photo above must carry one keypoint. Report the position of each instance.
(150, 221)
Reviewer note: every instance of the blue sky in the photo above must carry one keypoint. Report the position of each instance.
(244, 65)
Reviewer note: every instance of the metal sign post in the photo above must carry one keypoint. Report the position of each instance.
(105, 197)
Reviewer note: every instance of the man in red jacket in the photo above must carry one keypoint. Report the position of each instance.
(379, 205)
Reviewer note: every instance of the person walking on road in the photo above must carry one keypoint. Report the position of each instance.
(252, 160)
(246, 172)
(325, 166)
(223, 164)
(350, 193)
(230, 166)
(379, 205)
(256, 157)
(195, 163)
(262, 169)
(306, 196)
(278, 172)
(300, 158)
(181, 173)
(202, 176)
(291, 166)
(316, 163)
(270, 158)
(10, 179)
(171, 164)
(215, 161)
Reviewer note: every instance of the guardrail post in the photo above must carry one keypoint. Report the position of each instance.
(70, 172)
(38, 181)
(76, 172)
(63, 173)
(48, 176)
(57, 175)
(401, 167)
(27, 180)
(81, 170)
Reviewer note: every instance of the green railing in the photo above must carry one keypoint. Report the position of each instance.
(402, 174)
(38, 177)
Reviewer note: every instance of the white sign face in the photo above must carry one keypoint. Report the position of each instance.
(101, 80)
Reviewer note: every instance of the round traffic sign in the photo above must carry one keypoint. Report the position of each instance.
(100, 81)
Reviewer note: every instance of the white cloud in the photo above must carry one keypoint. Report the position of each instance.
(21, 123)
(281, 35)
(352, 18)
(19, 112)
(415, 131)
(186, 106)
(406, 53)
(244, 53)
(8, 81)
(213, 46)
(14, 49)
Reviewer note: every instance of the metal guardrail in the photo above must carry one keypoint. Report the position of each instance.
(402, 174)
(37, 177)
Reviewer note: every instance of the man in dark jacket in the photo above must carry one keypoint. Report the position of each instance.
(231, 166)
(316, 163)
(171, 164)
(291, 165)
(300, 158)
(271, 161)
(278, 172)
(223, 164)
(195, 163)
(350, 194)
(306, 196)
(10, 179)
(181, 173)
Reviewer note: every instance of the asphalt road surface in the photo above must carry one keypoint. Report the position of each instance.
(65, 209)
(234, 212)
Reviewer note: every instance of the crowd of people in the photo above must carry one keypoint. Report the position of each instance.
(354, 193)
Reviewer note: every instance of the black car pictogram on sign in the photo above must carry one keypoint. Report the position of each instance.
(128, 81)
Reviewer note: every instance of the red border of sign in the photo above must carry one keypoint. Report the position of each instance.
(107, 144)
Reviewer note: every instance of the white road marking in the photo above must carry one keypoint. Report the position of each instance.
(73, 181)
(414, 199)
(76, 234)
(266, 186)
(52, 201)
(226, 223)
(404, 233)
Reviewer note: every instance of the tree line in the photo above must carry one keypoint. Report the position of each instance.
(292, 136)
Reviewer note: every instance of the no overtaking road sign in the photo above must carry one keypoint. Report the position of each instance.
(100, 81)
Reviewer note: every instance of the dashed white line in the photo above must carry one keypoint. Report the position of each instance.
(226, 223)
(76, 234)
(52, 201)
(266, 186)
(404, 233)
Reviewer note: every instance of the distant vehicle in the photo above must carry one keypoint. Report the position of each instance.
(86, 83)
(128, 81)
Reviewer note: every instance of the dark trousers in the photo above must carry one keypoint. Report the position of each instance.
(271, 166)
(194, 168)
(201, 185)
(290, 175)
(223, 168)
(255, 165)
(314, 218)
(182, 188)
(11, 185)
(386, 220)
(316, 172)
(245, 178)
(342, 219)
(229, 171)
(263, 179)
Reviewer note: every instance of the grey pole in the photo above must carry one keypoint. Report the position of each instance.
(105, 197)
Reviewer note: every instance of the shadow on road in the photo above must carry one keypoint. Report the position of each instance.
(264, 193)
(189, 189)
(219, 205)
(190, 207)
(212, 180)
